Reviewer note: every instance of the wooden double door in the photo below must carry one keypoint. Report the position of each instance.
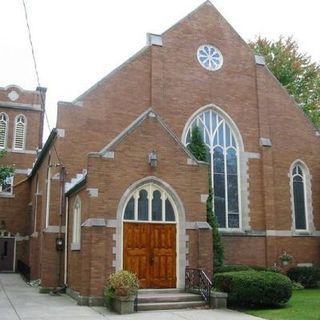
(149, 250)
(6, 254)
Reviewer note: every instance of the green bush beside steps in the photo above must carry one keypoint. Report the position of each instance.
(254, 288)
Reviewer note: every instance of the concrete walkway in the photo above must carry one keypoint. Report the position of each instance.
(18, 301)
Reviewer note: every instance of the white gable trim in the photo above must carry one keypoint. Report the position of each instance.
(105, 152)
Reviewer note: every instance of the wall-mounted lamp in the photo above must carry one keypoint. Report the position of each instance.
(59, 244)
(153, 160)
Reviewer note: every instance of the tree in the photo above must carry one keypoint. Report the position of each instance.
(197, 146)
(199, 150)
(295, 71)
(5, 170)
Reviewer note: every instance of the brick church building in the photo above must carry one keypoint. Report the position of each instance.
(114, 186)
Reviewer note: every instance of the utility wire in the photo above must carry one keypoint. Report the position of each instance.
(37, 73)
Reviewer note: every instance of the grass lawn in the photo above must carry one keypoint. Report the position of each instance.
(303, 305)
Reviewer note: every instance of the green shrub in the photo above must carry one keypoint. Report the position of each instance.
(296, 285)
(253, 288)
(260, 268)
(307, 276)
(232, 268)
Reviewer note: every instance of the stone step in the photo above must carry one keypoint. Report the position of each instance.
(170, 305)
(160, 291)
(167, 297)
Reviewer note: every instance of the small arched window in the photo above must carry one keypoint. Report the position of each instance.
(76, 234)
(149, 203)
(298, 182)
(3, 130)
(20, 133)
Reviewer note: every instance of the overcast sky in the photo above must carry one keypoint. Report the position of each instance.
(77, 42)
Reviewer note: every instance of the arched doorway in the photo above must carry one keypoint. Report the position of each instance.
(150, 235)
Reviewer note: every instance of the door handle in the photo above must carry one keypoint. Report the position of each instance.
(151, 258)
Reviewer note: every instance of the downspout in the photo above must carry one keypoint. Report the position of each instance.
(62, 209)
(65, 278)
(48, 194)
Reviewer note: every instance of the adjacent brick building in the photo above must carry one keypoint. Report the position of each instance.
(115, 186)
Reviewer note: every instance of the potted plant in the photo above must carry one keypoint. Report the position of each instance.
(121, 290)
(285, 258)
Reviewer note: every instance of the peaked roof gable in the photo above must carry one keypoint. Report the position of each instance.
(207, 5)
(149, 113)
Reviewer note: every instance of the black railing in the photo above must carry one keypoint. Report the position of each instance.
(135, 303)
(24, 270)
(198, 282)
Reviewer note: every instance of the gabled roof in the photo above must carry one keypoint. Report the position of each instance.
(44, 150)
(149, 113)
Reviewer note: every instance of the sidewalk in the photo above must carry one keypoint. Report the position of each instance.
(18, 301)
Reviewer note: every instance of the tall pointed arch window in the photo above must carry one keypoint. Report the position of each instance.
(150, 203)
(223, 151)
(299, 195)
(20, 132)
(76, 232)
(3, 130)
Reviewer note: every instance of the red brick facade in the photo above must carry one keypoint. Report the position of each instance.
(103, 141)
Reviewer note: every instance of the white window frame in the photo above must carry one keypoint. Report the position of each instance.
(76, 230)
(150, 188)
(307, 197)
(6, 130)
(242, 164)
(24, 132)
(10, 182)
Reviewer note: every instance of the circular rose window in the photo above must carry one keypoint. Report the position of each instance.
(209, 57)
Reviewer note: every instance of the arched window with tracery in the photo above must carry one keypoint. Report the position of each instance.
(3, 130)
(223, 151)
(20, 132)
(298, 185)
(149, 203)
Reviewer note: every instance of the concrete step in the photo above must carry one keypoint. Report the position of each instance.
(165, 299)
(168, 297)
(170, 305)
(160, 291)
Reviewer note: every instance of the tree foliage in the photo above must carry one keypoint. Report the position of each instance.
(295, 71)
(218, 252)
(199, 150)
(197, 146)
(5, 170)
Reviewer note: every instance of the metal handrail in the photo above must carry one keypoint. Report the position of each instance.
(197, 281)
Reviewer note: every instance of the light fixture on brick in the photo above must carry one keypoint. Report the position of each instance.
(153, 159)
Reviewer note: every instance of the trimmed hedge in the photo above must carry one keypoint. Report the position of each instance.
(253, 288)
(307, 276)
(233, 268)
(243, 267)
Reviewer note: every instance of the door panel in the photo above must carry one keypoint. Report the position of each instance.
(163, 250)
(149, 250)
(136, 250)
(6, 254)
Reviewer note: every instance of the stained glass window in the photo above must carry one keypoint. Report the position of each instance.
(223, 156)
(298, 185)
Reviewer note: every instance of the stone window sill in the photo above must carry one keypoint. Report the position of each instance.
(75, 246)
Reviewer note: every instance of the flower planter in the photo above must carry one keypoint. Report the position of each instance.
(123, 304)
